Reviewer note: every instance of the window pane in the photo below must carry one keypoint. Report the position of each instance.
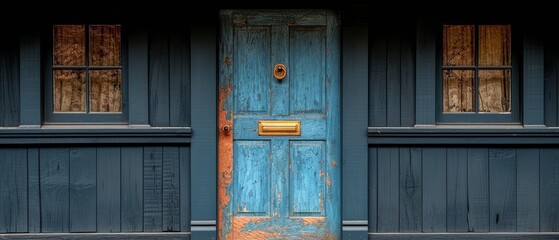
(69, 45)
(106, 90)
(104, 45)
(494, 45)
(494, 90)
(458, 93)
(458, 45)
(69, 90)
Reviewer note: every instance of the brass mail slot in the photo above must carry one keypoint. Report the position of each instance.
(279, 128)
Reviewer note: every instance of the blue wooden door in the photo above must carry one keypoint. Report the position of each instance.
(279, 187)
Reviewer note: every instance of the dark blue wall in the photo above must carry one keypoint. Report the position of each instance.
(389, 186)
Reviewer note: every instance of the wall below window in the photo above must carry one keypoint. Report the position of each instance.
(103, 189)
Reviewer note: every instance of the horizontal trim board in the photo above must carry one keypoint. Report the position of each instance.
(463, 236)
(86, 236)
(452, 136)
(16, 136)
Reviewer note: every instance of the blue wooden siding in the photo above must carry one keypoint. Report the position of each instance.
(169, 77)
(391, 75)
(474, 189)
(551, 76)
(9, 81)
(94, 189)
(479, 183)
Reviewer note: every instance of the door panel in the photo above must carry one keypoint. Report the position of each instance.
(307, 70)
(252, 165)
(279, 187)
(252, 64)
(307, 178)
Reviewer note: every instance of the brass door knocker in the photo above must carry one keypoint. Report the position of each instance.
(280, 71)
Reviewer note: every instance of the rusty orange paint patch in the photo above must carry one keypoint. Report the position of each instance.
(225, 158)
(328, 181)
(334, 163)
(238, 229)
(321, 173)
(318, 221)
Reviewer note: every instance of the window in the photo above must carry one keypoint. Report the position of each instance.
(477, 74)
(85, 74)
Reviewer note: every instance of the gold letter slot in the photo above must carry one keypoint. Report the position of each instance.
(279, 128)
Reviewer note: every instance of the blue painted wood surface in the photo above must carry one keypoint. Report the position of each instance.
(153, 192)
(528, 189)
(108, 189)
(373, 189)
(13, 190)
(83, 189)
(9, 82)
(204, 143)
(281, 186)
(252, 65)
(355, 119)
(410, 189)
(306, 178)
(54, 172)
(434, 189)
(478, 190)
(34, 190)
(388, 189)
(549, 186)
(171, 189)
(457, 189)
(502, 184)
(254, 178)
(132, 189)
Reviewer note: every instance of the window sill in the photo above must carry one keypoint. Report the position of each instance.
(464, 134)
(94, 134)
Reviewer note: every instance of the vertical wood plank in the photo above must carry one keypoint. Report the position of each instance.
(204, 147)
(478, 190)
(9, 82)
(410, 189)
(425, 73)
(528, 189)
(54, 187)
(393, 80)
(159, 79)
(377, 76)
(457, 190)
(333, 132)
(153, 176)
(34, 196)
(184, 166)
(549, 187)
(179, 80)
(83, 189)
(108, 189)
(132, 181)
(388, 190)
(171, 189)
(373, 189)
(502, 182)
(13, 190)
(355, 120)
(138, 75)
(533, 83)
(407, 77)
(30, 77)
(551, 63)
(434, 189)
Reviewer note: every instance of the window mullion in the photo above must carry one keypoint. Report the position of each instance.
(87, 97)
(476, 68)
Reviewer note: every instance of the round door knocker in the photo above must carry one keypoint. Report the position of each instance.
(280, 71)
